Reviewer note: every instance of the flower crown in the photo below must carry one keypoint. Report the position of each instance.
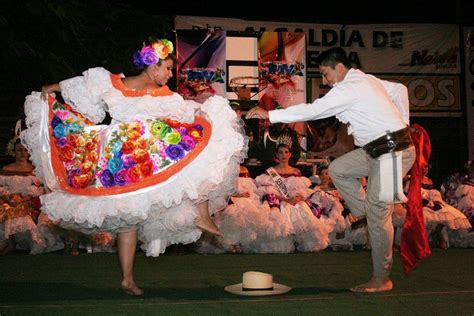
(151, 54)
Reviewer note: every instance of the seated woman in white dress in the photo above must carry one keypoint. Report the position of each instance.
(440, 217)
(326, 204)
(248, 225)
(284, 187)
(19, 207)
(465, 203)
(157, 172)
(458, 191)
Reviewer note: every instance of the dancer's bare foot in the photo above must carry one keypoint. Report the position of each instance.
(3, 244)
(9, 247)
(205, 223)
(67, 249)
(130, 288)
(374, 285)
(443, 244)
(71, 248)
(75, 248)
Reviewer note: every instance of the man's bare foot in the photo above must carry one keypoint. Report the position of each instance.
(206, 224)
(67, 249)
(443, 244)
(131, 288)
(374, 285)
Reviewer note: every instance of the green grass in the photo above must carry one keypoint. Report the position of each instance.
(192, 284)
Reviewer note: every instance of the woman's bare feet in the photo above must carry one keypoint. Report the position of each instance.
(205, 223)
(75, 248)
(3, 244)
(130, 288)
(71, 247)
(374, 285)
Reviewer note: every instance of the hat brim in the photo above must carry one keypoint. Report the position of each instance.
(277, 289)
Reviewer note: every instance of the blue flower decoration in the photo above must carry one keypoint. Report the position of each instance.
(107, 178)
(117, 147)
(175, 152)
(55, 121)
(115, 165)
(60, 130)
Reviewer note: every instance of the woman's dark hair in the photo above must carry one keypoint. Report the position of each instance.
(283, 145)
(331, 122)
(275, 129)
(321, 169)
(332, 57)
(235, 105)
(172, 57)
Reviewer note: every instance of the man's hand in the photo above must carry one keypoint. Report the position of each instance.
(257, 113)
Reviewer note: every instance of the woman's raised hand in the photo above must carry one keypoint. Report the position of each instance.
(49, 89)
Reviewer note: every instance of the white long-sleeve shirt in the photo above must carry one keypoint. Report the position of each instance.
(369, 105)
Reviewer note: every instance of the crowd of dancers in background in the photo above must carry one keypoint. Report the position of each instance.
(279, 211)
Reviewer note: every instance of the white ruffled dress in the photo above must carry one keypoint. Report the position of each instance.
(443, 214)
(250, 226)
(336, 224)
(310, 232)
(165, 212)
(20, 220)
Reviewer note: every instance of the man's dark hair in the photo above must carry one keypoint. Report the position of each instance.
(333, 56)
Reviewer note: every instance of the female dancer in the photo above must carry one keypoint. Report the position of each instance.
(157, 171)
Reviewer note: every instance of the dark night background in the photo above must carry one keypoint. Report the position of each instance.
(45, 41)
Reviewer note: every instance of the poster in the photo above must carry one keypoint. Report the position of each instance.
(281, 63)
(201, 64)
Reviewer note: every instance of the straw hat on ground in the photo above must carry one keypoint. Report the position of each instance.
(257, 284)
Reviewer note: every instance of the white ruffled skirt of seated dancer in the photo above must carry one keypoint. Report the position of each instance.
(19, 194)
(310, 232)
(250, 226)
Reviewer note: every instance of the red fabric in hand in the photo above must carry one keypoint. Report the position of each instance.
(414, 244)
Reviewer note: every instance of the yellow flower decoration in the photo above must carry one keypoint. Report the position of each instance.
(163, 48)
(173, 138)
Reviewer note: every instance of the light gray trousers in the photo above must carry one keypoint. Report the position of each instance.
(345, 172)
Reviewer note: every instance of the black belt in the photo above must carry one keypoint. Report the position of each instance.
(392, 141)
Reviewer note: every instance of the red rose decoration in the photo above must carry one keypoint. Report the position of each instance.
(81, 180)
(128, 147)
(146, 168)
(140, 155)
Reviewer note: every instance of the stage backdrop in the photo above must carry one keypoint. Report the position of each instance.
(427, 58)
(209, 60)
